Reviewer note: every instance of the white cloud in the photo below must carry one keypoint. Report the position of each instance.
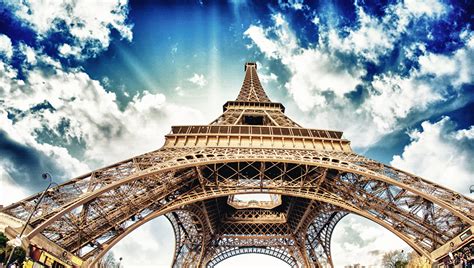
(198, 79)
(359, 240)
(465, 133)
(258, 36)
(327, 80)
(438, 64)
(90, 27)
(91, 113)
(293, 4)
(28, 52)
(65, 50)
(10, 191)
(431, 8)
(151, 245)
(23, 133)
(6, 46)
(453, 69)
(179, 91)
(282, 46)
(373, 38)
(267, 78)
(397, 97)
(315, 72)
(441, 154)
(8, 73)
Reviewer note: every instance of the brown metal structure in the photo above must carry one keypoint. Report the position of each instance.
(310, 177)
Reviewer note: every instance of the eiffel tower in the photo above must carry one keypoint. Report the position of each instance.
(252, 181)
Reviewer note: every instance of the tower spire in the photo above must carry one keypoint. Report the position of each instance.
(251, 89)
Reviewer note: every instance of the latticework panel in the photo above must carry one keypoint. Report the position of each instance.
(319, 233)
(255, 216)
(279, 253)
(192, 233)
(251, 89)
(270, 117)
(285, 248)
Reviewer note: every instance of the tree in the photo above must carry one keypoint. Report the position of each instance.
(395, 259)
(19, 253)
(417, 261)
(3, 247)
(108, 261)
(3, 240)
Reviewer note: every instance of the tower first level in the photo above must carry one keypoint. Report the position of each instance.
(252, 181)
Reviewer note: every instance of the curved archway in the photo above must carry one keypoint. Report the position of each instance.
(279, 254)
(196, 199)
(339, 181)
(388, 175)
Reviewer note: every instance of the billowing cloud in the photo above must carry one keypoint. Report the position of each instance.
(65, 50)
(259, 37)
(155, 237)
(333, 81)
(359, 240)
(395, 97)
(450, 70)
(293, 4)
(6, 46)
(428, 8)
(198, 79)
(10, 191)
(440, 153)
(47, 114)
(84, 31)
(376, 37)
(267, 78)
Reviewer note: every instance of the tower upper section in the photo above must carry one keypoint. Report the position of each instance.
(252, 96)
(253, 120)
(251, 89)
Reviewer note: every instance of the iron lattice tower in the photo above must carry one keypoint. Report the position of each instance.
(311, 179)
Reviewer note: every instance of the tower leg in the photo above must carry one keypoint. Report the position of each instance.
(190, 238)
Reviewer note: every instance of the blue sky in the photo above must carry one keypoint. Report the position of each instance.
(84, 85)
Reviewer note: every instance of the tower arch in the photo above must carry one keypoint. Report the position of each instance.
(277, 253)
